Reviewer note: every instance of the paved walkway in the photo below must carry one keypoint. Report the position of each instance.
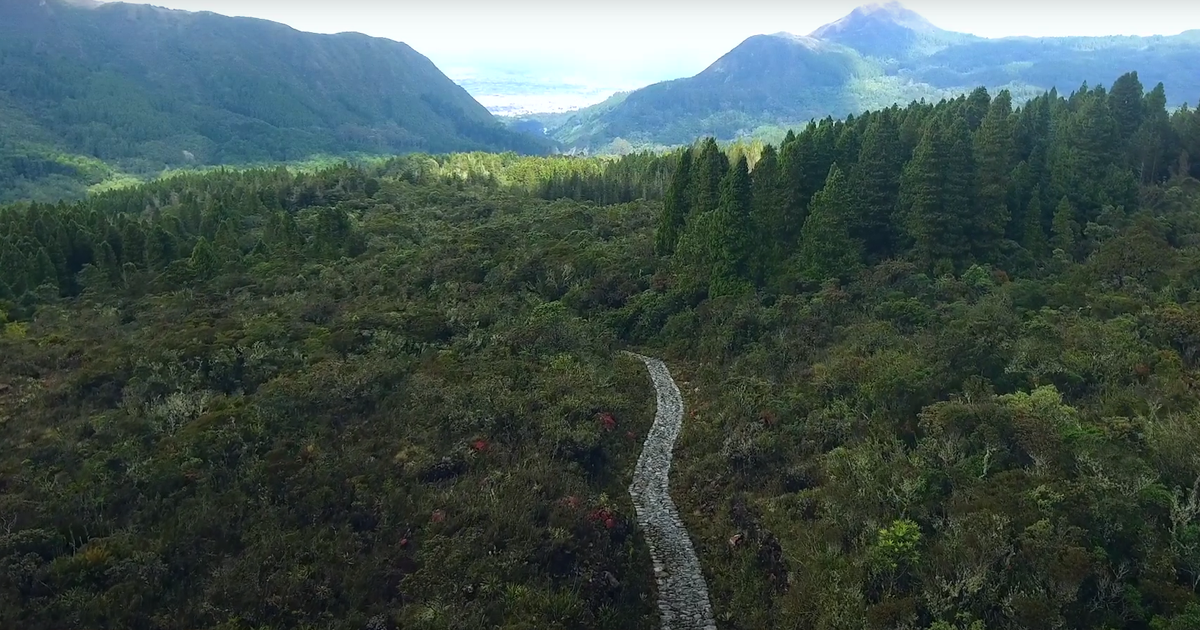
(682, 594)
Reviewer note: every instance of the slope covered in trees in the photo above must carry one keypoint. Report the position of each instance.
(139, 88)
(938, 361)
(876, 56)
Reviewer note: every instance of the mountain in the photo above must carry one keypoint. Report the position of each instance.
(140, 88)
(887, 30)
(876, 56)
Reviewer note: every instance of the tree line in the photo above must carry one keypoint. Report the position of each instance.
(973, 180)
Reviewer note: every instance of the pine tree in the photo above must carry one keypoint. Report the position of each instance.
(875, 181)
(107, 262)
(958, 195)
(920, 194)
(226, 242)
(769, 215)
(937, 195)
(849, 142)
(708, 171)
(733, 250)
(1065, 228)
(993, 157)
(676, 207)
(44, 271)
(1125, 102)
(1154, 139)
(204, 261)
(1034, 238)
(976, 107)
(283, 235)
(161, 248)
(826, 248)
(134, 240)
(805, 163)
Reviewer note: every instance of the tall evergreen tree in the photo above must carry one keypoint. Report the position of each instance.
(108, 263)
(875, 182)
(733, 250)
(975, 107)
(204, 261)
(826, 247)
(849, 142)
(936, 195)
(1065, 228)
(44, 271)
(708, 171)
(161, 247)
(1125, 103)
(994, 152)
(769, 215)
(1154, 139)
(134, 239)
(676, 207)
(1034, 238)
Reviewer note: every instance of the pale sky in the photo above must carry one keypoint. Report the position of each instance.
(672, 37)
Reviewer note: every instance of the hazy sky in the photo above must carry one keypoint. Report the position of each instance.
(675, 37)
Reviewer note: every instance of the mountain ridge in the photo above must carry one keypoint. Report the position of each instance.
(875, 56)
(143, 88)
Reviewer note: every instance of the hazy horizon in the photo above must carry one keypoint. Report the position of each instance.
(587, 54)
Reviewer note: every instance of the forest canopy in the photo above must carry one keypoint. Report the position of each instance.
(938, 364)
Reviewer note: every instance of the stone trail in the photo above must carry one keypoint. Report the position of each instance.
(682, 593)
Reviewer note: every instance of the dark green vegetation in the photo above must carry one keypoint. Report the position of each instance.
(939, 363)
(132, 88)
(877, 56)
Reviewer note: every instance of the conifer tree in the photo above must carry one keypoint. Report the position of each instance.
(826, 246)
(805, 164)
(769, 215)
(875, 182)
(204, 261)
(1153, 139)
(708, 171)
(920, 193)
(44, 271)
(993, 158)
(1034, 238)
(107, 262)
(975, 107)
(733, 248)
(161, 247)
(1125, 103)
(937, 194)
(134, 240)
(226, 242)
(849, 141)
(1065, 228)
(676, 207)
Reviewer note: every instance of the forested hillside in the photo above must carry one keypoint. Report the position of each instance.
(93, 89)
(878, 55)
(939, 365)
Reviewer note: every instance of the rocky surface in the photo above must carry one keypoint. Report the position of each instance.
(682, 593)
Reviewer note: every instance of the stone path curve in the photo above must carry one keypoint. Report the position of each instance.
(682, 593)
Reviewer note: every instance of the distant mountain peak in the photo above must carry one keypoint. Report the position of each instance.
(869, 17)
(887, 31)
